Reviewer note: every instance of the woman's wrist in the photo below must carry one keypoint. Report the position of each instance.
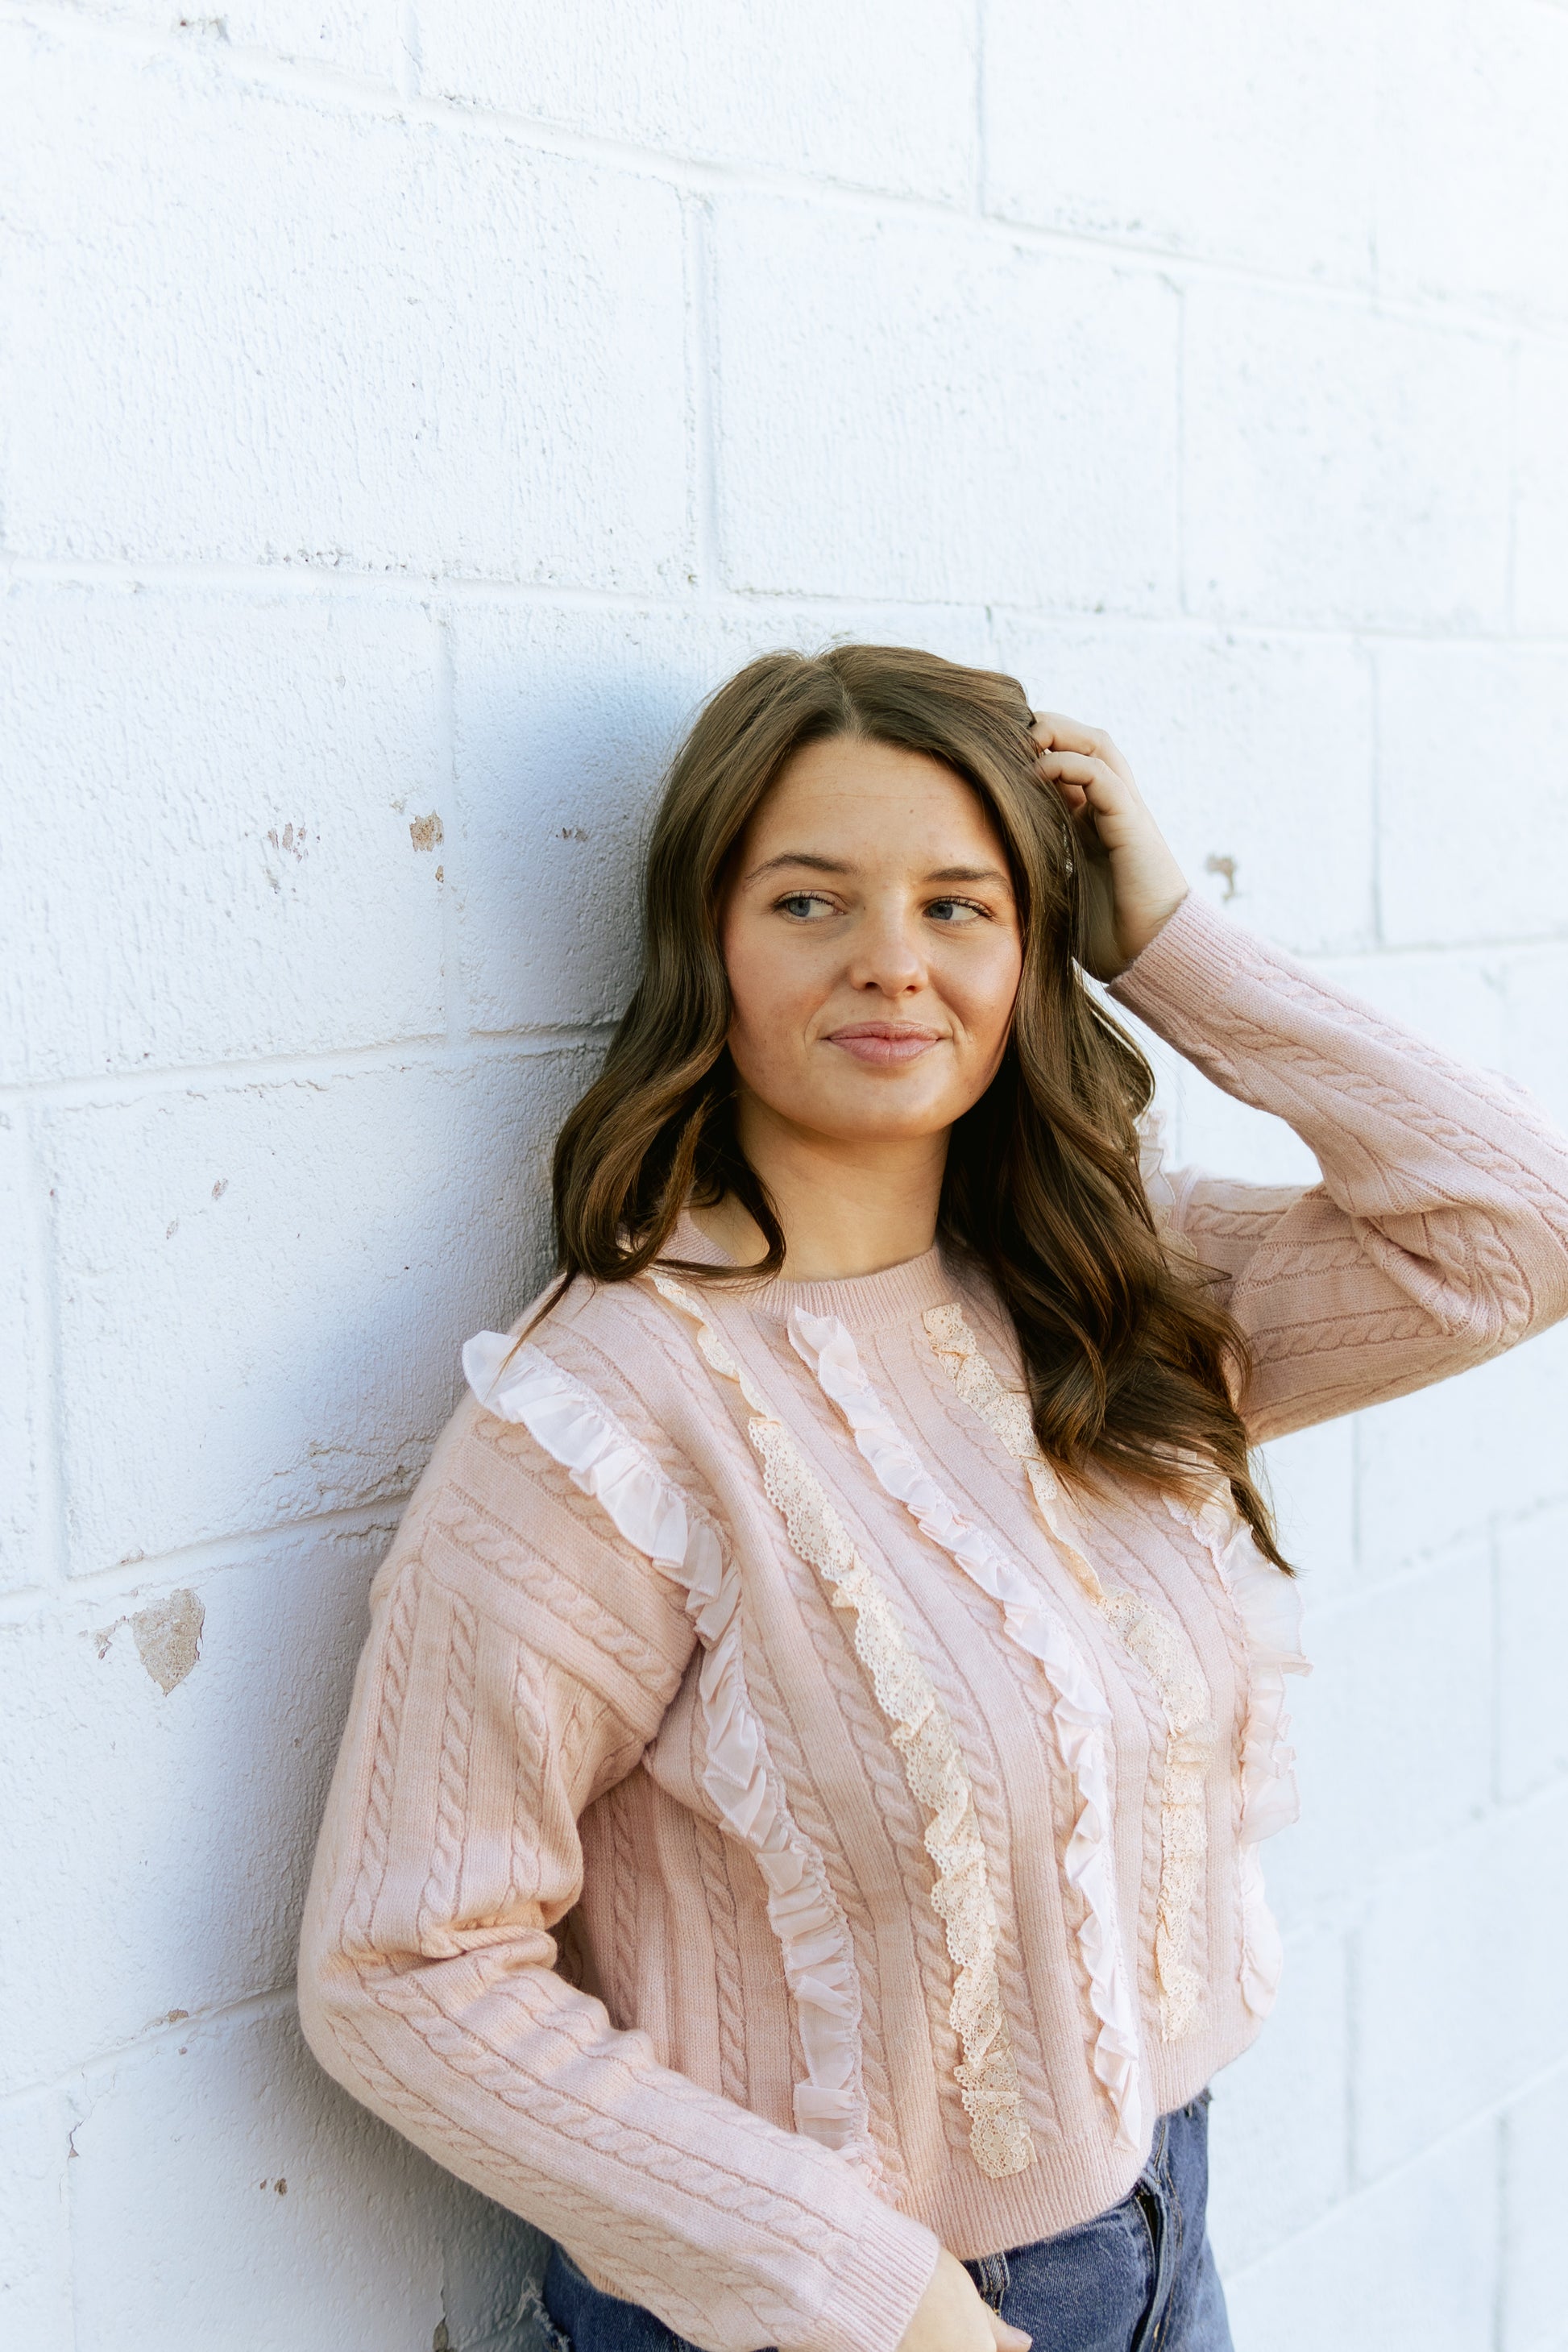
(1139, 927)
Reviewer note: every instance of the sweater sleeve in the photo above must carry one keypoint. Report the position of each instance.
(520, 1657)
(1439, 1235)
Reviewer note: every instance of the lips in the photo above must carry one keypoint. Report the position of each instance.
(884, 1044)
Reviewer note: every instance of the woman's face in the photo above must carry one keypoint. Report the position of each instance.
(872, 946)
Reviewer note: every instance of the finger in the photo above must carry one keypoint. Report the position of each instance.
(1091, 774)
(1008, 2338)
(1055, 730)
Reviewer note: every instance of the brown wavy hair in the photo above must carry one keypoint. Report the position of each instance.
(1132, 1364)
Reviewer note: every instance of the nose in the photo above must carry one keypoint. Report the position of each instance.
(888, 954)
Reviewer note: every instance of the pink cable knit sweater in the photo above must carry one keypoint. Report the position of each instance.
(777, 1830)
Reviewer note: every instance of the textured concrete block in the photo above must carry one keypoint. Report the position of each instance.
(1433, 702)
(209, 826)
(1231, 1139)
(264, 1289)
(908, 411)
(1265, 2184)
(1456, 998)
(1534, 987)
(1533, 1641)
(566, 722)
(1436, 1467)
(1254, 753)
(1393, 1731)
(1342, 466)
(1459, 1981)
(1472, 173)
(24, 1425)
(226, 2191)
(1499, 1008)
(1101, 118)
(1532, 2218)
(881, 95)
(1410, 2265)
(35, 2222)
(1312, 1477)
(168, 1772)
(356, 37)
(1541, 490)
(341, 340)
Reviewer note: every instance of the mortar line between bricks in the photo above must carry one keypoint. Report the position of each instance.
(43, 1264)
(1492, 2112)
(279, 2000)
(1344, 1911)
(405, 70)
(1511, 428)
(702, 363)
(982, 138)
(477, 1049)
(212, 1556)
(1461, 1550)
(454, 985)
(1374, 792)
(1351, 1934)
(172, 576)
(1183, 586)
(452, 116)
(1495, 1664)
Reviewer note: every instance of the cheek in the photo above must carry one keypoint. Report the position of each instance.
(985, 991)
(768, 984)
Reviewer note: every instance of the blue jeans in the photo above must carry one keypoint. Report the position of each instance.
(1141, 2278)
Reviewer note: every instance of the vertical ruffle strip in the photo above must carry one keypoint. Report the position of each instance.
(575, 1430)
(1081, 1714)
(987, 2076)
(1269, 1609)
(1149, 1636)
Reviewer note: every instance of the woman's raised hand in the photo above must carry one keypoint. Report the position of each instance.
(953, 2316)
(1133, 884)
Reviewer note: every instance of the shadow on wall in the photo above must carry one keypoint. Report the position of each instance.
(269, 1278)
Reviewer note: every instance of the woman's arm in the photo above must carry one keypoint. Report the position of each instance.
(1439, 1233)
(519, 1661)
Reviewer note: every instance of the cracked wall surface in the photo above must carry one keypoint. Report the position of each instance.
(413, 409)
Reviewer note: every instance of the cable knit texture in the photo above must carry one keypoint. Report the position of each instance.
(779, 1828)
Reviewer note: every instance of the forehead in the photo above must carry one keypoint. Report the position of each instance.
(872, 803)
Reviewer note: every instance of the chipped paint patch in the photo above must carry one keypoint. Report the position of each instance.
(424, 832)
(168, 1637)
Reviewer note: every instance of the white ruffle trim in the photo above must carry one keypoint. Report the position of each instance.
(1269, 1605)
(1078, 1709)
(522, 1385)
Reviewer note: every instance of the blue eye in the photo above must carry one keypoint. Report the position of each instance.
(800, 903)
(954, 910)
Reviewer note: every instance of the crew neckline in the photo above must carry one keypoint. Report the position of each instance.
(862, 1302)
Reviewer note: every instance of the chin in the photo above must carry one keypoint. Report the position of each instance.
(878, 1122)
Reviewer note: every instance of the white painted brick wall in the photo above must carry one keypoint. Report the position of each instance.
(411, 410)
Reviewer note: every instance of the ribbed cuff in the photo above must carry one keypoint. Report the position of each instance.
(1192, 957)
(875, 2297)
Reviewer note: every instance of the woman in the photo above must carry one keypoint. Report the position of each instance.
(796, 1833)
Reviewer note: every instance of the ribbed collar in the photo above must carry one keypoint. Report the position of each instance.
(863, 1303)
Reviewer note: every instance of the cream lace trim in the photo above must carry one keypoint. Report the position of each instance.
(1079, 1713)
(1148, 1635)
(987, 2077)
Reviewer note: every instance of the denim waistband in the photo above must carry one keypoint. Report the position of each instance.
(1137, 2278)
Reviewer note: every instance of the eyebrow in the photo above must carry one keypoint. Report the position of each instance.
(815, 865)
